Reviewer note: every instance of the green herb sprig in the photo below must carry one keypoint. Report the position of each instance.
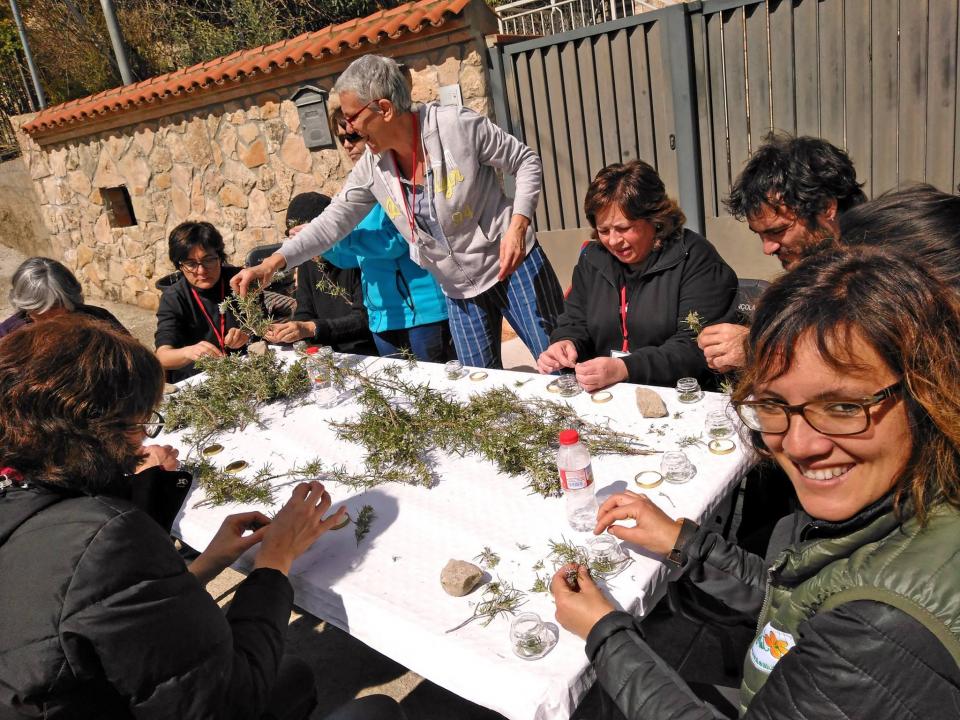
(499, 598)
(361, 526)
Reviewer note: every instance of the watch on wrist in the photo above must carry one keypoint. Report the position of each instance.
(676, 557)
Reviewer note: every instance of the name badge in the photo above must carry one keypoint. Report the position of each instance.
(618, 354)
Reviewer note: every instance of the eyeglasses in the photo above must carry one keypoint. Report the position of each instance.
(151, 427)
(829, 417)
(209, 263)
(351, 137)
(349, 119)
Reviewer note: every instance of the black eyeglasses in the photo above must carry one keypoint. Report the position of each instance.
(209, 263)
(153, 426)
(830, 417)
(353, 138)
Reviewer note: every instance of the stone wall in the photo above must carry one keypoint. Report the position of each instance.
(235, 164)
(21, 226)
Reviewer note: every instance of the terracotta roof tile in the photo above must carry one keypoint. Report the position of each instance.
(328, 41)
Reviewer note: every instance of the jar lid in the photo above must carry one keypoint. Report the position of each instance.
(569, 437)
(312, 350)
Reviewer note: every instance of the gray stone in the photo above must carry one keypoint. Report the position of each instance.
(257, 348)
(459, 577)
(650, 404)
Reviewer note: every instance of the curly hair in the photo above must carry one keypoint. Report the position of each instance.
(636, 188)
(801, 173)
(70, 389)
(910, 318)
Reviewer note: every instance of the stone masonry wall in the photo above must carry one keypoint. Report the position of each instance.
(236, 165)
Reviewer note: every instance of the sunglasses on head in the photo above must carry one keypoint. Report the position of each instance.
(353, 137)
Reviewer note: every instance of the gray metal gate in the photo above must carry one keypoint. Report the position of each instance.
(694, 88)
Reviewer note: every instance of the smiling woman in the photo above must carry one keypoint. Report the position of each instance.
(853, 387)
(623, 318)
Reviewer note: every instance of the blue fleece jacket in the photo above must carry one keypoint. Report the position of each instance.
(398, 293)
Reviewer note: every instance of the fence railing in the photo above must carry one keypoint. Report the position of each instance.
(548, 17)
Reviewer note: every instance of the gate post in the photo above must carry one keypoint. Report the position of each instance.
(680, 60)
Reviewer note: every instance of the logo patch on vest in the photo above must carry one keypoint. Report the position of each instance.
(769, 647)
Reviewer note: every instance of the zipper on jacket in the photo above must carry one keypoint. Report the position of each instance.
(768, 593)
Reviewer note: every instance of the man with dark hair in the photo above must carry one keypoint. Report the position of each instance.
(791, 193)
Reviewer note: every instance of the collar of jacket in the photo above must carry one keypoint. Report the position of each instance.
(821, 529)
(672, 253)
(385, 165)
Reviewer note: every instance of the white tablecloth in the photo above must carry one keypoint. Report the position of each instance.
(387, 592)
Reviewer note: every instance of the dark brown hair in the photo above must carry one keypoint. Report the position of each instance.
(70, 388)
(185, 236)
(908, 316)
(639, 192)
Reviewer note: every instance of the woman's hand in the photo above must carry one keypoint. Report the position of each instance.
(513, 246)
(578, 610)
(295, 528)
(724, 346)
(235, 338)
(192, 353)
(229, 543)
(166, 456)
(288, 332)
(654, 529)
(561, 354)
(258, 275)
(601, 372)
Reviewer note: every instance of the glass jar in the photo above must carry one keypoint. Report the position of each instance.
(569, 387)
(718, 425)
(453, 369)
(605, 554)
(676, 467)
(688, 390)
(529, 637)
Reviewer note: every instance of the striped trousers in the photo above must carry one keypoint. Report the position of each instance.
(530, 300)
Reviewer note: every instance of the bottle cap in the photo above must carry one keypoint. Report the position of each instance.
(569, 437)
(312, 350)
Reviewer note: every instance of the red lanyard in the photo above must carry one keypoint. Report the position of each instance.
(623, 318)
(413, 181)
(219, 335)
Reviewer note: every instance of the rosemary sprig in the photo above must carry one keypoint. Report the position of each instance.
(541, 584)
(694, 321)
(327, 286)
(686, 441)
(232, 393)
(221, 487)
(248, 311)
(499, 598)
(488, 557)
(361, 526)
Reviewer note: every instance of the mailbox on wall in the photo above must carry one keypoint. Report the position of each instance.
(311, 103)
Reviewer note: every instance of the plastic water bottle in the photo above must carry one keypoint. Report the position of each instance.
(576, 478)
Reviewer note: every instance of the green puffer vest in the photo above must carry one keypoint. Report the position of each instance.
(914, 569)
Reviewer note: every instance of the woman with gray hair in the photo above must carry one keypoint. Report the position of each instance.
(44, 288)
(434, 171)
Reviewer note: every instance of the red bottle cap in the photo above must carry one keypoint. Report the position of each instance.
(569, 437)
(312, 350)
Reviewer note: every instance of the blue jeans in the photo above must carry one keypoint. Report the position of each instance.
(430, 342)
(530, 300)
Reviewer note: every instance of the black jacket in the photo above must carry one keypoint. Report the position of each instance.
(342, 324)
(863, 659)
(686, 274)
(180, 322)
(99, 618)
